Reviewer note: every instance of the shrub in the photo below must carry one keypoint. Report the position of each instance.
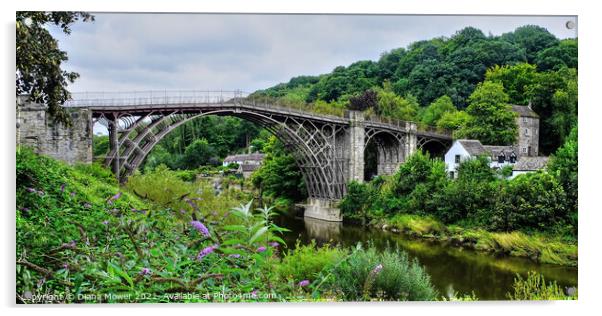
(368, 274)
(534, 287)
(306, 262)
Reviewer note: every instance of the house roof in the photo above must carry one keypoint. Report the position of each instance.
(249, 168)
(524, 111)
(472, 146)
(245, 157)
(495, 151)
(530, 163)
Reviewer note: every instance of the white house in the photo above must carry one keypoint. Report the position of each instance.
(247, 163)
(499, 157)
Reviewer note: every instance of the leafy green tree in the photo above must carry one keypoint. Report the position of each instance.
(197, 154)
(279, 175)
(39, 59)
(530, 201)
(433, 113)
(556, 57)
(564, 165)
(533, 38)
(391, 105)
(491, 121)
(453, 121)
(516, 80)
(357, 201)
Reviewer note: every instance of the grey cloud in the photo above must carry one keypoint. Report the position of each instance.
(249, 52)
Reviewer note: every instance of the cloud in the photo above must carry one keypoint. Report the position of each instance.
(248, 52)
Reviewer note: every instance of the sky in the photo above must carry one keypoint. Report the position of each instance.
(134, 52)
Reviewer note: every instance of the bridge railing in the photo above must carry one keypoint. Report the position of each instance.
(165, 98)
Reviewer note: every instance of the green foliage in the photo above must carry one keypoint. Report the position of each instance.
(557, 57)
(391, 105)
(39, 59)
(279, 175)
(100, 145)
(76, 235)
(198, 153)
(309, 262)
(433, 113)
(533, 38)
(491, 120)
(533, 200)
(453, 121)
(534, 287)
(357, 201)
(390, 275)
(564, 165)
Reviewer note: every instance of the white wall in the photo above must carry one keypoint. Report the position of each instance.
(450, 158)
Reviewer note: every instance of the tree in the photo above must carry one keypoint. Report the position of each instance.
(197, 154)
(516, 80)
(39, 59)
(533, 38)
(564, 165)
(491, 120)
(279, 175)
(453, 121)
(362, 102)
(391, 105)
(433, 113)
(556, 57)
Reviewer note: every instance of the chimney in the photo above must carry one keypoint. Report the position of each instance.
(529, 105)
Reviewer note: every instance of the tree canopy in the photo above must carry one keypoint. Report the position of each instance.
(38, 72)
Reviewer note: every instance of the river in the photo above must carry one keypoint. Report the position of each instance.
(452, 269)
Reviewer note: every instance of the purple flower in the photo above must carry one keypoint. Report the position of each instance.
(105, 223)
(87, 205)
(304, 283)
(234, 255)
(205, 252)
(114, 198)
(72, 194)
(254, 294)
(25, 209)
(182, 212)
(200, 227)
(65, 266)
(377, 269)
(261, 249)
(274, 244)
(63, 187)
(31, 190)
(145, 271)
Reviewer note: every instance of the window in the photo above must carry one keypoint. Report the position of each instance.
(501, 158)
(524, 120)
(451, 174)
(457, 158)
(526, 132)
(524, 150)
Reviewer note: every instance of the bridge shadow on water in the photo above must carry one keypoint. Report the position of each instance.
(452, 269)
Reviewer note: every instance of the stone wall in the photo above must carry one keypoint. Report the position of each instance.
(357, 135)
(528, 136)
(35, 129)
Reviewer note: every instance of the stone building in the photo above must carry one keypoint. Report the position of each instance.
(247, 163)
(528, 131)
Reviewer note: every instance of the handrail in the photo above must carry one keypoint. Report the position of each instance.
(165, 98)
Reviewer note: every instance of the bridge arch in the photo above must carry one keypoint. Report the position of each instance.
(311, 144)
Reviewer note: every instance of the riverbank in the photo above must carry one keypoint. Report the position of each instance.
(539, 248)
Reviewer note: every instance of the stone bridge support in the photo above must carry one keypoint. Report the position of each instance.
(38, 131)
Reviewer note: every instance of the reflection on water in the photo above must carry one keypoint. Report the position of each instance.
(451, 268)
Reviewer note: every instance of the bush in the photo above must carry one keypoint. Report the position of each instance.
(529, 201)
(356, 203)
(368, 274)
(306, 262)
(534, 287)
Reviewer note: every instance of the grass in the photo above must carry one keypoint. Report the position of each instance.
(539, 248)
(534, 287)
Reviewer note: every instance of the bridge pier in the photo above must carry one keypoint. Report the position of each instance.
(323, 209)
(114, 144)
(356, 140)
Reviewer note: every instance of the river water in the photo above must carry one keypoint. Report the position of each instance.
(452, 269)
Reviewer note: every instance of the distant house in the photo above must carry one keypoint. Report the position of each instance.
(528, 164)
(247, 163)
(462, 150)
